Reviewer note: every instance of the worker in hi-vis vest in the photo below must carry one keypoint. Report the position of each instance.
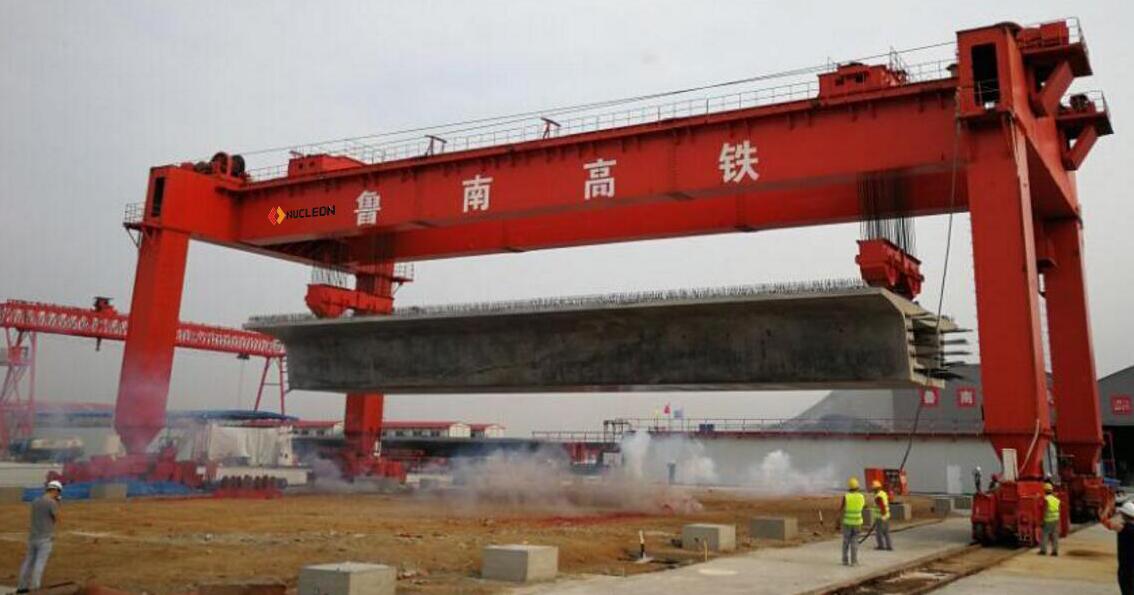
(850, 510)
(1050, 521)
(880, 512)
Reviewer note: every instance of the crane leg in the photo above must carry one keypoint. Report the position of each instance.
(1011, 349)
(143, 388)
(1074, 387)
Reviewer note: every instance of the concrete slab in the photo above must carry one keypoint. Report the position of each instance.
(901, 512)
(519, 563)
(108, 491)
(348, 578)
(804, 569)
(719, 538)
(724, 340)
(777, 528)
(1087, 565)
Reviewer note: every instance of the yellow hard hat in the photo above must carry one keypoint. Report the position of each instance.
(852, 483)
(1048, 488)
(875, 485)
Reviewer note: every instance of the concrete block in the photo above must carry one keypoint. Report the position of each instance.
(942, 506)
(778, 528)
(108, 491)
(11, 495)
(901, 512)
(963, 502)
(720, 538)
(519, 563)
(348, 578)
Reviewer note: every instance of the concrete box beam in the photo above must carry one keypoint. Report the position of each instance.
(348, 578)
(719, 538)
(943, 506)
(901, 511)
(519, 563)
(963, 502)
(777, 528)
(854, 338)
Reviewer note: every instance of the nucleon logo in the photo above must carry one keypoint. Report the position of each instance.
(277, 215)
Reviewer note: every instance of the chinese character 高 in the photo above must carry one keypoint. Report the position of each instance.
(600, 182)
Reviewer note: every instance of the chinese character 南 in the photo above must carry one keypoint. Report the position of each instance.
(477, 193)
(737, 162)
(600, 182)
(369, 203)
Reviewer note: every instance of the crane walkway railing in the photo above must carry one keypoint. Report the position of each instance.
(771, 426)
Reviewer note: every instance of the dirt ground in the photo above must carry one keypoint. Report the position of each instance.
(171, 546)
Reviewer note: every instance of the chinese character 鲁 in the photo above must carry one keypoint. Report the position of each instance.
(369, 203)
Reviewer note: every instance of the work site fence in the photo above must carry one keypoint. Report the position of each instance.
(620, 427)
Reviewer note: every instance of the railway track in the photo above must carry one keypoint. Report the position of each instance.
(929, 575)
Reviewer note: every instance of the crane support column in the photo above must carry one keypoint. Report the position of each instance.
(1074, 387)
(139, 412)
(1007, 291)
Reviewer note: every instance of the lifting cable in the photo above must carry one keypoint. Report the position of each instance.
(944, 276)
(940, 295)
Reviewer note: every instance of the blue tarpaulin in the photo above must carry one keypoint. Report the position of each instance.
(134, 489)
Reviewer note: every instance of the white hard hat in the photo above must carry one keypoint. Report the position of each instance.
(54, 485)
(1127, 509)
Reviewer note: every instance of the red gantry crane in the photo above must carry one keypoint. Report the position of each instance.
(22, 321)
(988, 132)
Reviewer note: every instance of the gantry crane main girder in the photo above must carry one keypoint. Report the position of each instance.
(992, 137)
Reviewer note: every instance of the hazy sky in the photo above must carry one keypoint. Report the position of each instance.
(94, 93)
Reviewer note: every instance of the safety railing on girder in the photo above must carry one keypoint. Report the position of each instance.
(771, 426)
(135, 211)
(585, 119)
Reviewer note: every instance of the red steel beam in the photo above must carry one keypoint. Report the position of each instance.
(112, 325)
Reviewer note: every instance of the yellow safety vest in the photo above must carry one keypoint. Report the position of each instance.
(885, 502)
(1051, 511)
(853, 503)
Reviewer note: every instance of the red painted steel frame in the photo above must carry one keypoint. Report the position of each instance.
(23, 320)
(992, 139)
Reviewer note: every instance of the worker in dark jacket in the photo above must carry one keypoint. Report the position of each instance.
(1125, 529)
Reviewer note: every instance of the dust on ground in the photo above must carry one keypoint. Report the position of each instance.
(172, 545)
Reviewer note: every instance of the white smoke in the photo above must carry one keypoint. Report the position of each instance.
(544, 482)
(647, 457)
(776, 475)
